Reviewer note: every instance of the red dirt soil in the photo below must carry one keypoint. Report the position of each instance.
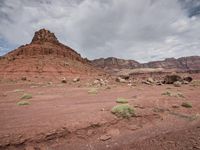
(63, 116)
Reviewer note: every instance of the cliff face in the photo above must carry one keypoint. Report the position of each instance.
(115, 63)
(184, 63)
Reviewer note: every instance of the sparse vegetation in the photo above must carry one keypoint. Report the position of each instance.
(93, 91)
(22, 103)
(186, 105)
(160, 110)
(26, 96)
(123, 110)
(171, 94)
(180, 95)
(189, 117)
(168, 93)
(122, 100)
(195, 83)
(18, 90)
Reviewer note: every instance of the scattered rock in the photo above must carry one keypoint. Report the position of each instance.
(125, 77)
(100, 82)
(150, 80)
(185, 82)
(24, 78)
(50, 83)
(77, 79)
(130, 84)
(147, 82)
(64, 80)
(105, 137)
(119, 79)
(175, 106)
(170, 79)
(102, 109)
(177, 84)
(188, 79)
(96, 82)
(158, 83)
(186, 105)
(133, 127)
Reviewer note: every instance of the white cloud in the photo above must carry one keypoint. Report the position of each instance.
(141, 29)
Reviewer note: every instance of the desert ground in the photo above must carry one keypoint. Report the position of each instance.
(76, 115)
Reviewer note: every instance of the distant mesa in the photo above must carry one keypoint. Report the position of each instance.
(183, 63)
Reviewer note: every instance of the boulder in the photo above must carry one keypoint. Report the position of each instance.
(188, 79)
(23, 78)
(64, 80)
(150, 80)
(147, 82)
(125, 77)
(170, 79)
(177, 84)
(185, 82)
(119, 79)
(77, 79)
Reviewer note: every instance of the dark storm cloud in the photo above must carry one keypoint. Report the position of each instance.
(141, 29)
(192, 7)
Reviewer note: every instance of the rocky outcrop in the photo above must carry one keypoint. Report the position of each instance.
(182, 64)
(44, 35)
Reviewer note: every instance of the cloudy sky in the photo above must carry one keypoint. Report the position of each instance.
(143, 30)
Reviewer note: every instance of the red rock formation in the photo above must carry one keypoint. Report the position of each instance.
(45, 43)
(46, 55)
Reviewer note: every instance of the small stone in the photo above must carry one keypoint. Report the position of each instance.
(177, 84)
(119, 79)
(150, 80)
(24, 78)
(146, 82)
(175, 106)
(96, 82)
(77, 79)
(64, 80)
(185, 82)
(102, 109)
(105, 137)
(133, 127)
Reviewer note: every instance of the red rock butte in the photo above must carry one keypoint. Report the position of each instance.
(44, 55)
(45, 43)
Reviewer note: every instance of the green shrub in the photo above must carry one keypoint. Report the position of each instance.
(18, 90)
(168, 93)
(123, 110)
(26, 96)
(173, 94)
(22, 103)
(122, 100)
(186, 105)
(93, 91)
